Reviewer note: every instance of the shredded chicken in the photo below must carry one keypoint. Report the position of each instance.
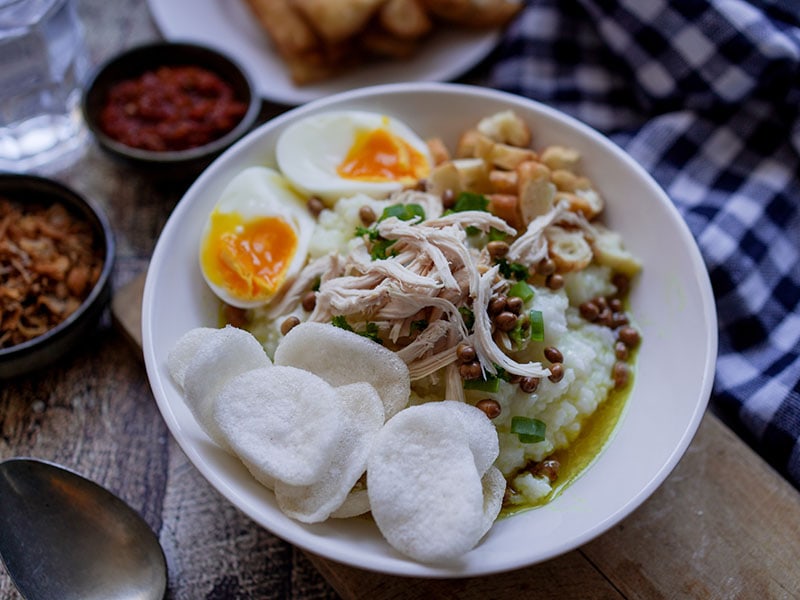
(531, 246)
(489, 354)
(323, 265)
(473, 218)
(430, 203)
(415, 296)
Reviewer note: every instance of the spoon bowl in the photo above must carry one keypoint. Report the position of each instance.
(63, 536)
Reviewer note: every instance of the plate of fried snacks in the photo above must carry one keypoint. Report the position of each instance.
(301, 50)
(438, 342)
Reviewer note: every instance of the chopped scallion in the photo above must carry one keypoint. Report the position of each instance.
(491, 384)
(521, 290)
(537, 326)
(529, 431)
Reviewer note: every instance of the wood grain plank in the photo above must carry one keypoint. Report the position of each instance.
(568, 576)
(723, 525)
(126, 309)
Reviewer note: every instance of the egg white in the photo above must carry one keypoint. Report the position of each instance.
(259, 192)
(309, 151)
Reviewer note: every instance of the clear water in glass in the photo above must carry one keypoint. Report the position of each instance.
(43, 63)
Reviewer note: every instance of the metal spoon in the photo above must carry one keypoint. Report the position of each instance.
(63, 536)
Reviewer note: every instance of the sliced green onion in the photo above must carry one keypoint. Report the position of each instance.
(520, 334)
(491, 385)
(521, 290)
(529, 431)
(537, 326)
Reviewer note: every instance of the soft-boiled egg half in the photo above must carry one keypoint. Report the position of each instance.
(339, 154)
(255, 238)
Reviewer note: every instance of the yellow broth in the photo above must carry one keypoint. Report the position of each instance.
(596, 432)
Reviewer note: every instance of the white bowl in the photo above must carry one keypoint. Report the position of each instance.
(672, 303)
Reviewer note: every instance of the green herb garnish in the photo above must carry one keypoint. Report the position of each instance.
(379, 246)
(472, 230)
(380, 249)
(468, 316)
(495, 235)
(341, 322)
(404, 212)
(529, 431)
(512, 270)
(419, 325)
(502, 373)
(370, 331)
(471, 201)
(370, 232)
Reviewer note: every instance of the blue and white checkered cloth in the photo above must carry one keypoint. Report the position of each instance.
(706, 96)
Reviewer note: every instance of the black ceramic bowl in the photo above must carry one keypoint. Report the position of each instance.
(136, 61)
(38, 352)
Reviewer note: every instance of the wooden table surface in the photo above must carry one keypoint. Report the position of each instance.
(723, 525)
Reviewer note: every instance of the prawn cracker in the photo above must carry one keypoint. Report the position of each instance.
(481, 433)
(221, 356)
(184, 350)
(284, 423)
(362, 415)
(425, 493)
(342, 357)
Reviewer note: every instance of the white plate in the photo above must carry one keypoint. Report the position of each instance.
(229, 26)
(672, 303)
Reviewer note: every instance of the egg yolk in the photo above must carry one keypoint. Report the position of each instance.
(379, 155)
(249, 259)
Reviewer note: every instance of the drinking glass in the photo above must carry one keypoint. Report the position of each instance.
(43, 63)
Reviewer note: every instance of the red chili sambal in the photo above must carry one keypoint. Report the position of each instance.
(171, 108)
